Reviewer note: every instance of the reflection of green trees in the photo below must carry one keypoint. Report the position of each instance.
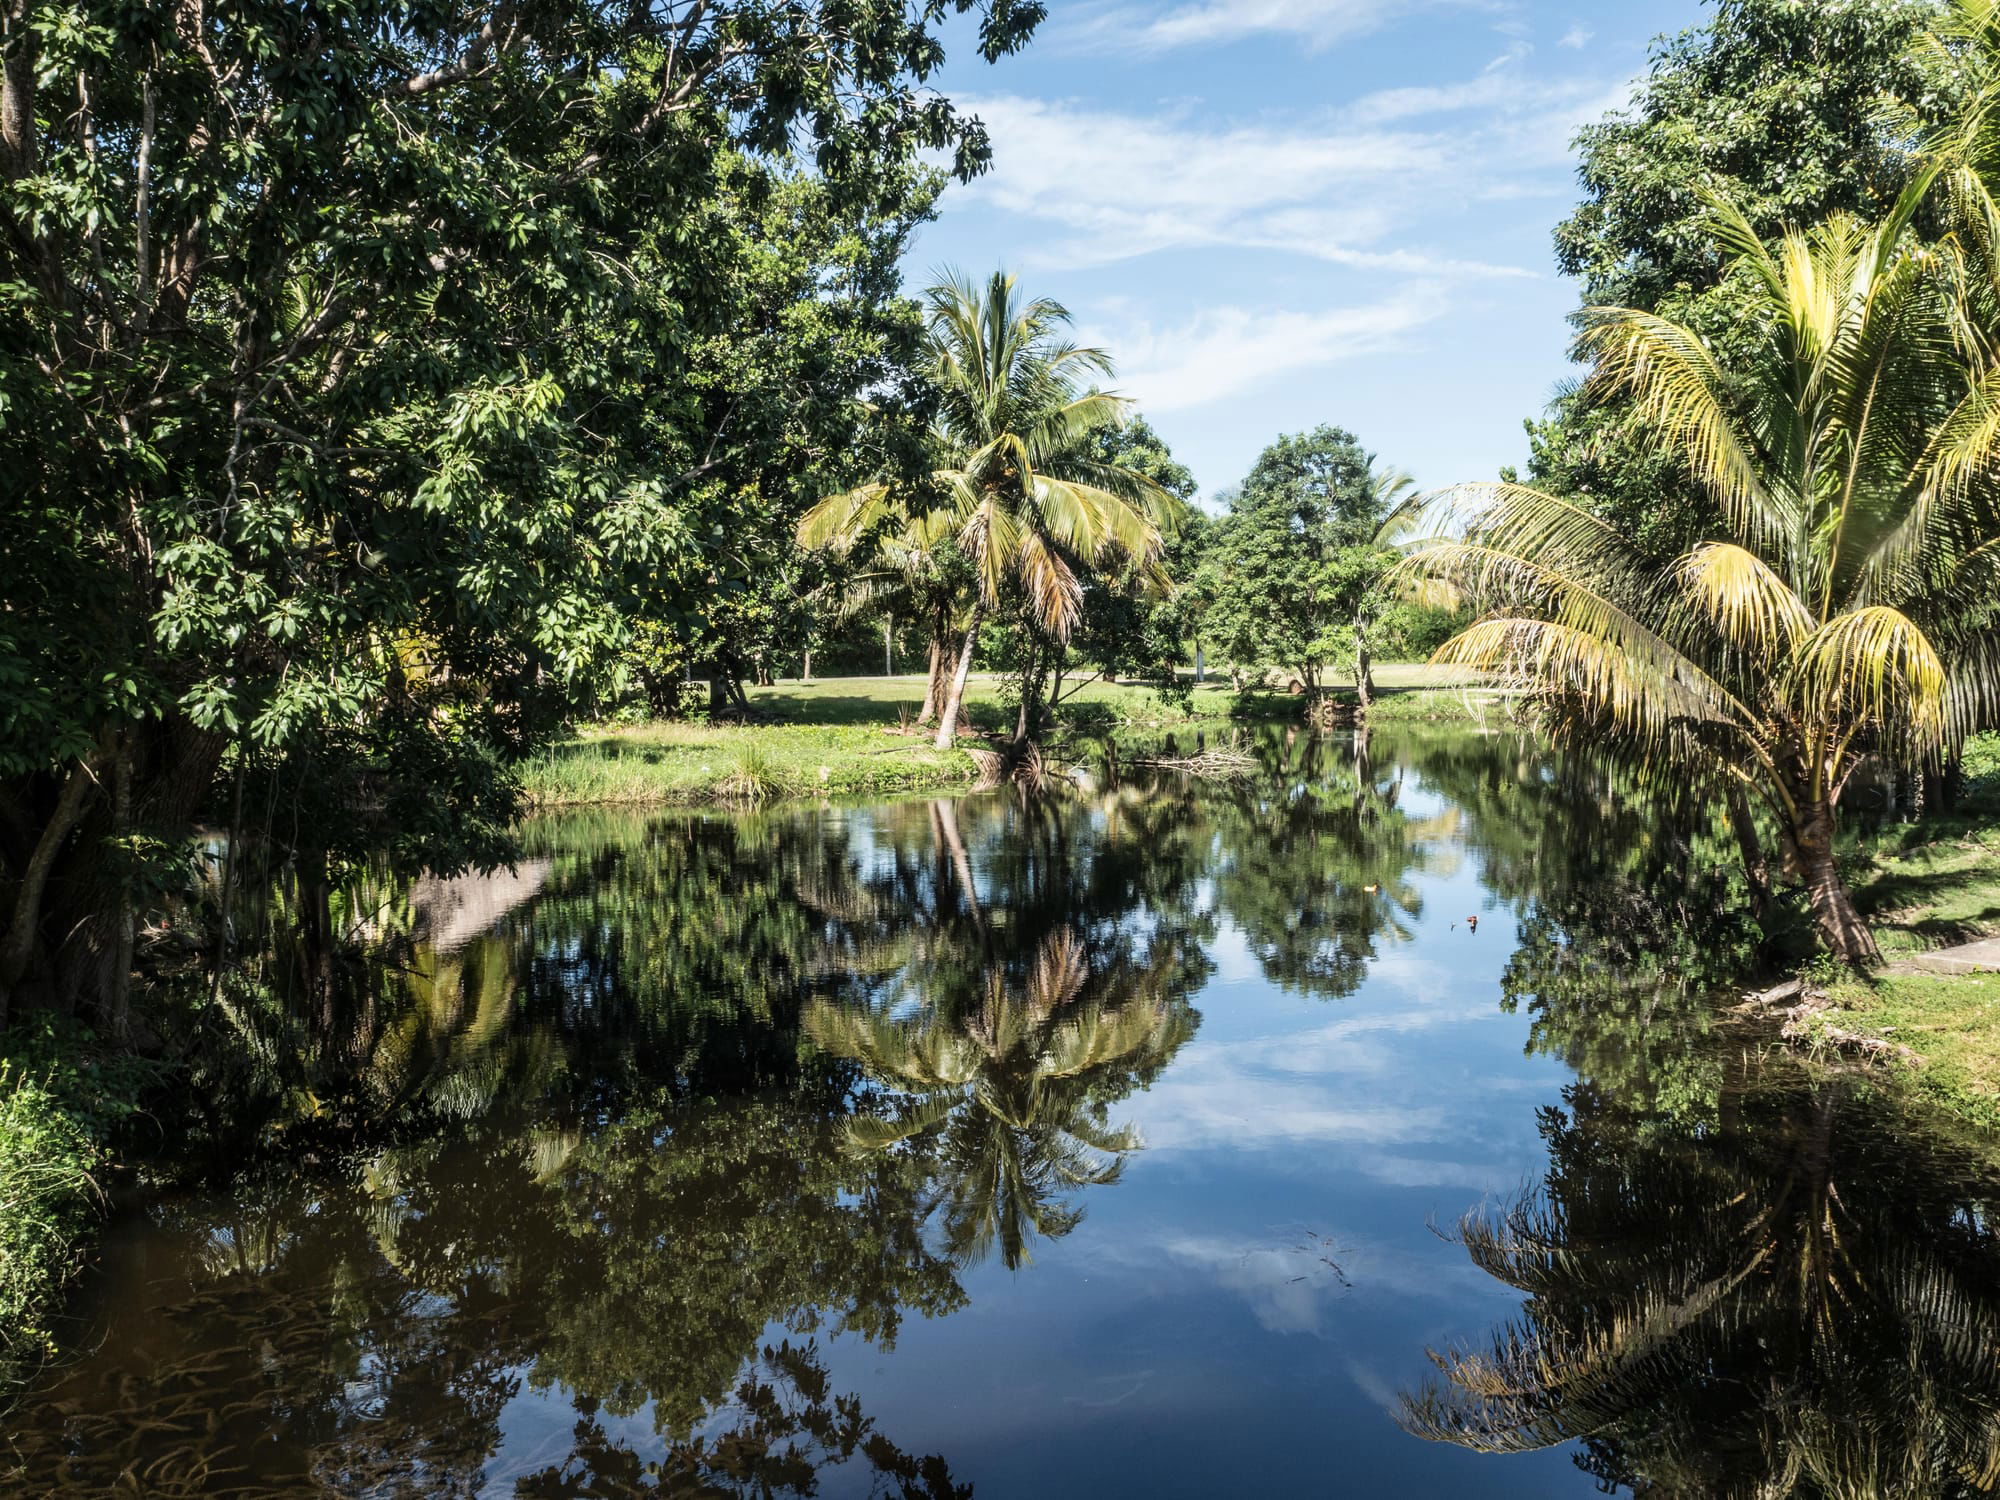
(1312, 855)
(1632, 909)
(1804, 1302)
(1013, 1091)
(364, 1338)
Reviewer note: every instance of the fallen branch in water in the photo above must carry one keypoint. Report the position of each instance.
(1207, 763)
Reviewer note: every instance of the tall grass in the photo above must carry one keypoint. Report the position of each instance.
(49, 1201)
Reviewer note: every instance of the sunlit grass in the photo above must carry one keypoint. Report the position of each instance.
(837, 736)
(1950, 1021)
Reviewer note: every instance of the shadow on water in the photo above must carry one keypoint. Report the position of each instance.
(597, 1164)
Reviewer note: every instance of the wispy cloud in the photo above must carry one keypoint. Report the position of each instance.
(1222, 351)
(1577, 38)
(1318, 23)
(1125, 185)
(1504, 88)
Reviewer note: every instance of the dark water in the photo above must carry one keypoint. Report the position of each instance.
(1145, 1138)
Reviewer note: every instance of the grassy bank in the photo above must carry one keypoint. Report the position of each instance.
(674, 762)
(1939, 1032)
(1922, 886)
(833, 736)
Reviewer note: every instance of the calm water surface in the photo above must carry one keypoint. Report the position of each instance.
(1139, 1138)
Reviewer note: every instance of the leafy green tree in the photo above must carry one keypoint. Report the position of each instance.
(1784, 108)
(1017, 488)
(1292, 564)
(1132, 624)
(377, 338)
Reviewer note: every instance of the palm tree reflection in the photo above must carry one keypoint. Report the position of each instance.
(1017, 1086)
(1800, 1304)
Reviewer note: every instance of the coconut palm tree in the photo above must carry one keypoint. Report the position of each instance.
(1022, 495)
(1848, 613)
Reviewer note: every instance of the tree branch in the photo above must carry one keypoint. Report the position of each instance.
(498, 31)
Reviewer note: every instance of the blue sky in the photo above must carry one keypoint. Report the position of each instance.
(1275, 213)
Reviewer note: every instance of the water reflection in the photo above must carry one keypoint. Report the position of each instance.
(1804, 1301)
(591, 1177)
(1013, 1091)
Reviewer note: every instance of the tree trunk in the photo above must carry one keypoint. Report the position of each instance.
(947, 734)
(1031, 681)
(940, 676)
(806, 672)
(17, 949)
(1364, 679)
(1756, 868)
(19, 134)
(1846, 936)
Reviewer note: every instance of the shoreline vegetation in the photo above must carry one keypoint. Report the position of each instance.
(1923, 887)
(856, 736)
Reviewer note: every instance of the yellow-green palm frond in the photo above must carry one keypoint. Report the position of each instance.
(1954, 490)
(1972, 703)
(1060, 430)
(1748, 604)
(1528, 591)
(1092, 522)
(838, 520)
(1875, 666)
(1523, 522)
(1681, 389)
(1648, 699)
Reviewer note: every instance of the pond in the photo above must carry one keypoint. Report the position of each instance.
(1333, 1127)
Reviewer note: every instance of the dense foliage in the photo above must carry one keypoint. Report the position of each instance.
(1793, 112)
(401, 358)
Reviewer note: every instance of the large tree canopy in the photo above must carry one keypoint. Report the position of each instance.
(1289, 561)
(1791, 111)
(381, 343)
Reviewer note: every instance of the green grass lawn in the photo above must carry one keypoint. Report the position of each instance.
(834, 735)
(1925, 885)
(1951, 1022)
(1931, 884)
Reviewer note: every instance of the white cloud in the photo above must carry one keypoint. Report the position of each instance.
(1576, 38)
(1318, 23)
(1127, 185)
(1221, 351)
(1502, 87)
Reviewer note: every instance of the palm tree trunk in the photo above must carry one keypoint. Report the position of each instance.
(947, 734)
(1840, 925)
(1364, 679)
(940, 675)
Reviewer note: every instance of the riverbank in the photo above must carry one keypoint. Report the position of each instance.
(1923, 887)
(851, 737)
(62, 1105)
